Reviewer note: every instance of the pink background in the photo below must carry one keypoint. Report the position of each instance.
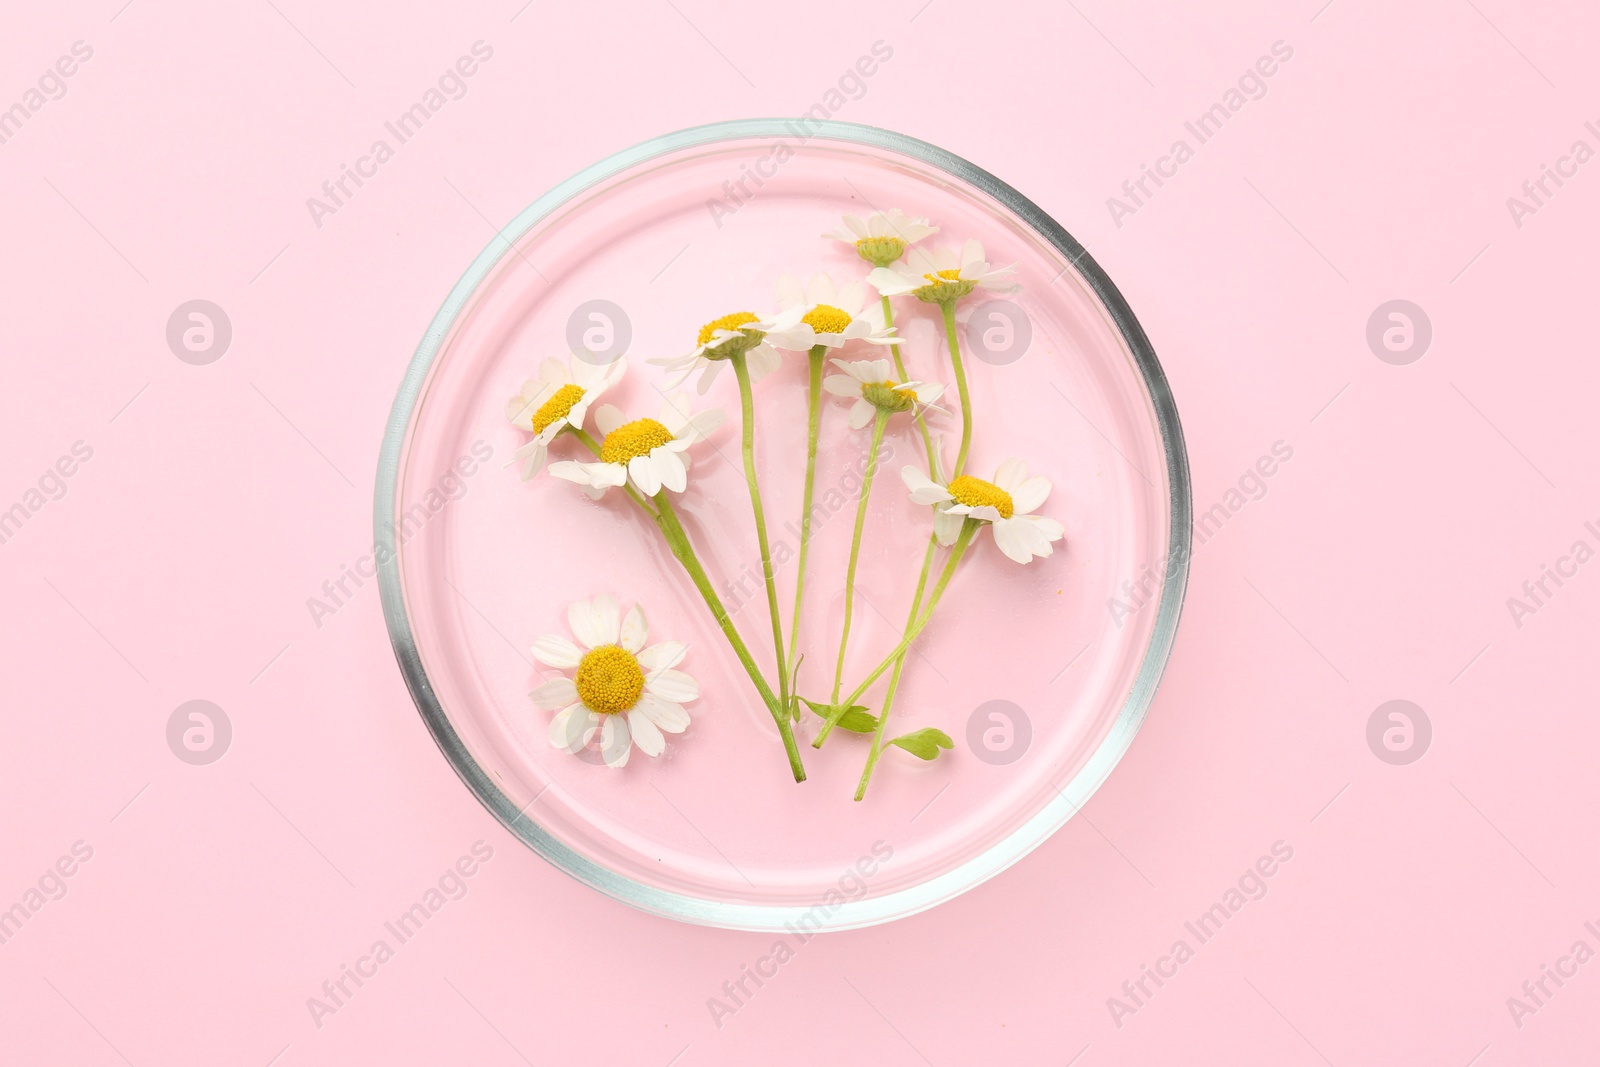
(1378, 565)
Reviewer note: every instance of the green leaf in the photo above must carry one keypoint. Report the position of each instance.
(924, 743)
(794, 681)
(858, 719)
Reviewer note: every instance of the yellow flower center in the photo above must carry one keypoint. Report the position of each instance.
(609, 679)
(825, 318)
(556, 407)
(887, 396)
(632, 439)
(944, 286)
(727, 322)
(880, 251)
(977, 493)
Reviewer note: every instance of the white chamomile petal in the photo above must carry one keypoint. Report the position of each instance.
(794, 337)
(946, 526)
(762, 361)
(674, 413)
(643, 473)
(589, 621)
(569, 470)
(608, 417)
(924, 490)
(634, 630)
(891, 282)
(532, 457)
(608, 616)
(859, 369)
(520, 408)
(553, 650)
(842, 384)
(709, 375)
(1011, 540)
(1050, 528)
(615, 741)
(570, 729)
(670, 469)
(1020, 539)
(1009, 474)
(821, 290)
(922, 261)
(852, 296)
(586, 375)
(1031, 493)
(659, 657)
(668, 715)
(791, 292)
(574, 417)
(704, 423)
(672, 685)
(861, 413)
(597, 378)
(555, 694)
(645, 733)
(595, 478)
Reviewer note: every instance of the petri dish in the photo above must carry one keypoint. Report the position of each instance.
(1041, 674)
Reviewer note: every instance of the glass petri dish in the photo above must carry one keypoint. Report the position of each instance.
(1041, 674)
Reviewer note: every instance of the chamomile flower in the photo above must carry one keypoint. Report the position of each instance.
(624, 690)
(1007, 504)
(651, 453)
(742, 333)
(883, 236)
(871, 383)
(559, 397)
(822, 313)
(942, 275)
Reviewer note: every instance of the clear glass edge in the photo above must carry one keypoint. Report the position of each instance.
(761, 917)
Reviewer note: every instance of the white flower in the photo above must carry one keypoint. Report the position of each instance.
(883, 236)
(941, 275)
(821, 313)
(652, 453)
(625, 691)
(1007, 504)
(559, 397)
(871, 382)
(741, 333)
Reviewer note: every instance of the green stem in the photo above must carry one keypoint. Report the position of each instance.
(949, 309)
(748, 445)
(666, 520)
(877, 735)
(952, 341)
(683, 550)
(969, 527)
(878, 425)
(900, 369)
(894, 675)
(818, 356)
